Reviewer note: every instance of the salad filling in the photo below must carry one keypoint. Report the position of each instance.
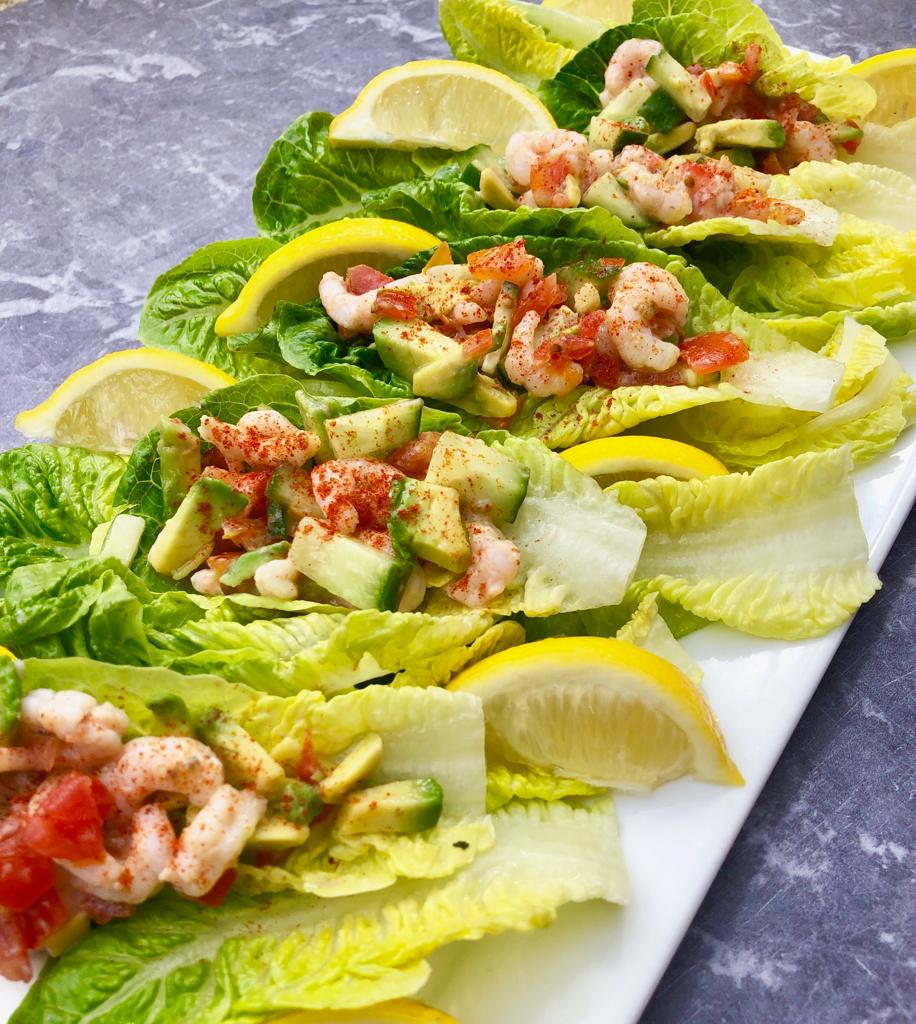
(458, 331)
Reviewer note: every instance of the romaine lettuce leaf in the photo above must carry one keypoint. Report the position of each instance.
(178, 960)
(896, 321)
(505, 784)
(779, 552)
(304, 181)
(890, 146)
(647, 629)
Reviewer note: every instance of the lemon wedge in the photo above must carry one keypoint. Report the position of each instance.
(398, 1011)
(6, 653)
(111, 403)
(600, 710)
(294, 270)
(893, 77)
(635, 456)
(450, 104)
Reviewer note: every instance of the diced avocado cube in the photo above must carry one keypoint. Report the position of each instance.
(601, 274)
(374, 433)
(289, 498)
(350, 569)
(840, 133)
(752, 132)
(486, 480)
(627, 103)
(488, 399)
(297, 802)
(425, 520)
(187, 538)
(614, 135)
(661, 111)
(359, 762)
(10, 700)
(119, 538)
(77, 928)
(399, 807)
(245, 566)
(503, 315)
(275, 832)
(316, 410)
(408, 347)
(607, 192)
(179, 460)
(679, 84)
(668, 142)
(494, 190)
(173, 715)
(739, 156)
(246, 762)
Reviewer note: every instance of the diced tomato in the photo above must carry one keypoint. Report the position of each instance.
(396, 303)
(770, 164)
(548, 182)
(65, 820)
(253, 485)
(565, 348)
(14, 953)
(590, 324)
(223, 562)
(246, 533)
(309, 768)
(604, 369)
(510, 262)
(102, 911)
(413, 458)
(220, 891)
(43, 918)
(641, 378)
(362, 279)
(477, 345)
(546, 294)
(714, 351)
(25, 875)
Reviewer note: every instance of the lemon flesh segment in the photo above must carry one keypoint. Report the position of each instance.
(295, 269)
(600, 710)
(893, 77)
(111, 403)
(449, 104)
(397, 1011)
(643, 456)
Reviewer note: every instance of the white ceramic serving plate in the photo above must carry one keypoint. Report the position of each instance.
(599, 964)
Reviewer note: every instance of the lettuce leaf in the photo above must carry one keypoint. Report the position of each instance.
(184, 302)
(51, 499)
(896, 321)
(505, 784)
(707, 32)
(891, 146)
(578, 546)
(243, 961)
(779, 552)
(647, 629)
(305, 181)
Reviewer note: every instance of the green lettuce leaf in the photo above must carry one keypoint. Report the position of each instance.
(896, 321)
(779, 552)
(505, 784)
(184, 302)
(647, 629)
(304, 181)
(578, 546)
(178, 960)
(891, 146)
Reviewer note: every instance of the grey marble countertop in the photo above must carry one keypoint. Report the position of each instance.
(130, 134)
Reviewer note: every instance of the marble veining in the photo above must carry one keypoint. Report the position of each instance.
(130, 134)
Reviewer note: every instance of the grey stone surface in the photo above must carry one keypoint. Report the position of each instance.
(130, 134)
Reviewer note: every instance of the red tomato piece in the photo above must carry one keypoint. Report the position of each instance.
(397, 304)
(362, 279)
(14, 953)
(477, 345)
(590, 324)
(220, 891)
(309, 768)
(714, 351)
(64, 821)
(509, 262)
(43, 918)
(546, 294)
(25, 875)
(548, 182)
(412, 459)
(604, 369)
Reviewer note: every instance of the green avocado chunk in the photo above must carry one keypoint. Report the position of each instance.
(276, 833)
(679, 84)
(667, 142)
(359, 762)
(435, 364)
(374, 433)
(425, 520)
(179, 460)
(10, 699)
(486, 480)
(187, 538)
(752, 132)
(246, 762)
(614, 135)
(401, 807)
(608, 193)
(297, 802)
(245, 566)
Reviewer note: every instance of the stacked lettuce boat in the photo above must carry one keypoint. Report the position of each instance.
(236, 781)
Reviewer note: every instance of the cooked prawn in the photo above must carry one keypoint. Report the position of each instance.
(526, 149)
(495, 562)
(648, 304)
(628, 65)
(278, 578)
(354, 492)
(94, 730)
(134, 877)
(212, 842)
(37, 757)
(262, 439)
(657, 196)
(351, 312)
(537, 370)
(167, 764)
(806, 141)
